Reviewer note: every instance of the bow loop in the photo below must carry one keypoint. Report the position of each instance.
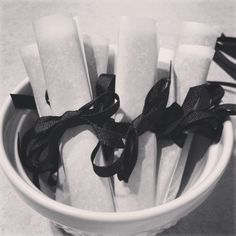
(216, 93)
(98, 110)
(158, 95)
(129, 155)
(154, 107)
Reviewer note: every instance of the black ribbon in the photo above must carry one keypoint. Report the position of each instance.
(39, 146)
(226, 45)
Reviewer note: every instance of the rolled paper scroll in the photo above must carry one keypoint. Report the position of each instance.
(32, 63)
(195, 33)
(166, 149)
(191, 66)
(196, 158)
(58, 42)
(68, 87)
(33, 67)
(136, 74)
(96, 52)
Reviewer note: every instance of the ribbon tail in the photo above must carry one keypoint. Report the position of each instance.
(228, 66)
(227, 45)
(21, 101)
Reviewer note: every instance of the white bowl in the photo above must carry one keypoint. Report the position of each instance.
(143, 222)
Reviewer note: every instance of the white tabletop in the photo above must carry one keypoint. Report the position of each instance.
(216, 216)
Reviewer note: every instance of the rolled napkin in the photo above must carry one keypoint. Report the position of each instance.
(192, 33)
(199, 34)
(96, 52)
(68, 87)
(136, 74)
(191, 66)
(33, 67)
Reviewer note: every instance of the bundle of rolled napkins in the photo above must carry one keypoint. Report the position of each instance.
(66, 63)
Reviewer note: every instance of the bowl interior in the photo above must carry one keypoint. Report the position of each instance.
(205, 177)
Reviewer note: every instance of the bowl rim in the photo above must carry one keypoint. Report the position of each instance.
(110, 217)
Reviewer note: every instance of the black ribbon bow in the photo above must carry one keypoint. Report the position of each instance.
(39, 146)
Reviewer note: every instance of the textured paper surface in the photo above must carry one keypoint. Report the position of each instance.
(63, 63)
(167, 151)
(33, 67)
(68, 87)
(199, 34)
(136, 74)
(96, 52)
(191, 66)
(163, 65)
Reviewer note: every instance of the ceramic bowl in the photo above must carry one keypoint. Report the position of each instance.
(82, 222)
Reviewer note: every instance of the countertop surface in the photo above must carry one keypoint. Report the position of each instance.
(217, 215)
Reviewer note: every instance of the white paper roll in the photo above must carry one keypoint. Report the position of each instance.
(67, 83)
(62, 61)
(33, 67)
(136, 74)
(195, 33)
(191, 66)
